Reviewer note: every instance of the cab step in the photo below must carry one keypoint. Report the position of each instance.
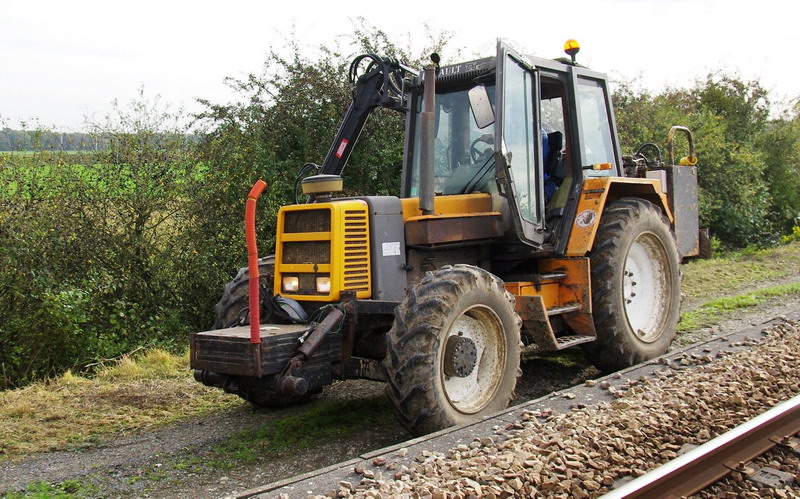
(564, 309)
(573, 340)
(561, 343)
(555, 304)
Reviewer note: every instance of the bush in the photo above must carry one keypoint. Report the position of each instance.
(91, 261)
(794, 236)
(288, 115)
(749, 166)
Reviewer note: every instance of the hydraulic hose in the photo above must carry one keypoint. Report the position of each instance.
(252, 259)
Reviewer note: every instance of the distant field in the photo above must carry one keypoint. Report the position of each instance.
(46, 151)
(24, 172)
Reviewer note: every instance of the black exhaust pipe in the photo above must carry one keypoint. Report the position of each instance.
(426, 141)
(209, 378)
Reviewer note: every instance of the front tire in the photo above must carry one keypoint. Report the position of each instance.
(234, 306)
(453, 353)
(635, 285)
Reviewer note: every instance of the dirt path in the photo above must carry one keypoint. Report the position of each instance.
(179, 460)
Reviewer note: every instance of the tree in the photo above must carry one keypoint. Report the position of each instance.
(780, 144)
(728, 117)
(287, 116)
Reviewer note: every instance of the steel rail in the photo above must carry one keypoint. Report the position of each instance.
(711, 461)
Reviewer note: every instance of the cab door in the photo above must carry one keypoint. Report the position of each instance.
(598, 146)
(518, 146)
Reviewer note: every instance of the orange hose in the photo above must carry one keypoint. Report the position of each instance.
(252, 259)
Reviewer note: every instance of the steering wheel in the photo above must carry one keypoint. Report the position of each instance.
(475, 153)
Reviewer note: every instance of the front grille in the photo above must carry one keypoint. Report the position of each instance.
(356, 274)
(300, 252)
(307, 221)
(308, 284)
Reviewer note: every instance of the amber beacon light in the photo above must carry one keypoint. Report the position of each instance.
(572, 47)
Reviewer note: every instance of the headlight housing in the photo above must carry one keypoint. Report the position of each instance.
(323, 284)
(291, 284)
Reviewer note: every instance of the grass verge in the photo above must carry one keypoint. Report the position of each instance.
(326, 422)
(62, 490)
(733, 273)
(715, 310)
(74, 411)
(312, 425)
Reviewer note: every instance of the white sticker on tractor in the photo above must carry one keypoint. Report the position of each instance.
(586, 218)
(391, 249)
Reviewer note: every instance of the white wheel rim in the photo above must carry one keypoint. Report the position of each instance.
(473, 393)
(646, 285)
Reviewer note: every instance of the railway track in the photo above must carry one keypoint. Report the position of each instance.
(727, 453)
(584, 440)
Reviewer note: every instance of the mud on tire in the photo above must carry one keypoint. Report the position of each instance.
(458, 320)
(635, 285)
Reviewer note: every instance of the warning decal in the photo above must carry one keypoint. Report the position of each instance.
(586, 218)
(342, 146)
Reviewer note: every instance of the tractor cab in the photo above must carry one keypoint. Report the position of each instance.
(524, 130)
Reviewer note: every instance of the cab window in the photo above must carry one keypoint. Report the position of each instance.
(463, 152)
(595, 127)
(519, 138)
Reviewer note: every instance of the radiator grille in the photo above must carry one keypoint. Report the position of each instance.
(307, 221)
(356, 274)
(308, 284)
(300, 252)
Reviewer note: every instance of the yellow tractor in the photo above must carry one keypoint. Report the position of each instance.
(520, 226)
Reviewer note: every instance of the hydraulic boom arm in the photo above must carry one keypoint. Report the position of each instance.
(382, 85)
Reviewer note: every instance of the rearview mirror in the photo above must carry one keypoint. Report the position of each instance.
(481, 106)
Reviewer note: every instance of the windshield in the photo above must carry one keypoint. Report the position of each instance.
(463, 153)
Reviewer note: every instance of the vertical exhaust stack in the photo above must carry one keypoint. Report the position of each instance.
(427, 138)
(252, 263)
(252, 259)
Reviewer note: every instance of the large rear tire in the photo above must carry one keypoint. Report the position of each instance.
(453, 353)
(233, 310)
(635, 285)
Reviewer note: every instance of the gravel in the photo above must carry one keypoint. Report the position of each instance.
(584, 452)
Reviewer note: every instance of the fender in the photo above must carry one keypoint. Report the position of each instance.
(596, 192)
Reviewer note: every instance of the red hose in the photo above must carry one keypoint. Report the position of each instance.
(252, 259)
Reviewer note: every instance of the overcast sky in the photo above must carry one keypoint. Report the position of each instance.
(63, 61)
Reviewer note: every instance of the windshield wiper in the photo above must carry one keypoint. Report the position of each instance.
(476, 179)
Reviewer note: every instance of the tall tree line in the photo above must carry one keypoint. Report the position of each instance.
(38, 140)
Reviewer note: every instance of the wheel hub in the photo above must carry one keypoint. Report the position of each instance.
(628, 285)
(460, 356)
(645, 287)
